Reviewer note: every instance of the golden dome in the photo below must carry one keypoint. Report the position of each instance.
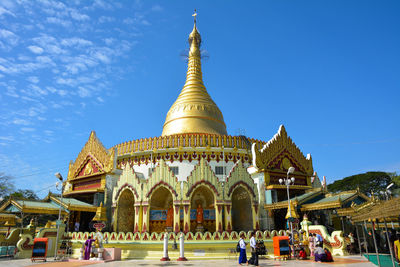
(194, 111)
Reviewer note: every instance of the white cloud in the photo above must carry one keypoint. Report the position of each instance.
(146, 22)
(51, 89)
(75, 41)
(58, 21)
(104, 19)
(109, 41)
(62, 92)
(53, 4)
(102, 4)
(74, 68)
(33, 79)
(56, 105)
(102, 56)
(83, 92)
(55, 49)
(36, 90)
(7, 138)
(21, 122)
(45, 60)
(12, 91)
(67, 81)
(157, 8)
(28, 129)
(4, 11)
(9, 37)
(78, 16)
(44, 39)
(101, 100)
(35, 49)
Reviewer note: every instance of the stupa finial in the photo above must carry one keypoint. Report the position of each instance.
(194, 111)
(194, 16)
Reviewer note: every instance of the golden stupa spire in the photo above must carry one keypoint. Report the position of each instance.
(194, 111)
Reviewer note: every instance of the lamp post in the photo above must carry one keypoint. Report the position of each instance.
(387, 193)
(289, 181)
(59, 176)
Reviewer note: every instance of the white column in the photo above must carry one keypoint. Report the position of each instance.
(165, 257)
(181, 248)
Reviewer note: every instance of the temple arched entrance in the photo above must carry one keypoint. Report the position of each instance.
(126, 212)
(160, 202)
(204, 197)
(242, 217)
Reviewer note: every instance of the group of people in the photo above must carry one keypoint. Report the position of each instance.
(253, 246)
(315, 244)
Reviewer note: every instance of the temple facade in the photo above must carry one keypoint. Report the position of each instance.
(194, 177)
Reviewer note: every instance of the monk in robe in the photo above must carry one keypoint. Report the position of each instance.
(199, 214)
(170, 217)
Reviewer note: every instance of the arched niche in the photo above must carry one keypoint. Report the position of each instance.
(160, 201)
(242, 217)
(204, 197)
(126, 212)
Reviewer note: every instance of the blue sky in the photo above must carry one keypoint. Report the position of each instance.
(327, 70)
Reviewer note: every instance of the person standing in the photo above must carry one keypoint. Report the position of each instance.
(352, 244)
(76, 226)
(396, 246)
(311, 244)
(253, 245)
(242, 255)
(318, 239)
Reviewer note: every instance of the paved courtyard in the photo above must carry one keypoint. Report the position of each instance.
(351, 261)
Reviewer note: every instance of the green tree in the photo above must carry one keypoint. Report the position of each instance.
(24, 194)
(396, 180)
(367, 182)
(6, 185)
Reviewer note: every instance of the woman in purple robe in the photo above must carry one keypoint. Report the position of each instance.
(88, 248)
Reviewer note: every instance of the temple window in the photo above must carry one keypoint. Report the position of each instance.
(220, 170)
(175, 170)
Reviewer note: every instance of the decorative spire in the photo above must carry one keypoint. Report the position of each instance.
(194, 17)
(194, 111)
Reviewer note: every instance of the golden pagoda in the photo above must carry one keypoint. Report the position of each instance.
(194, 111)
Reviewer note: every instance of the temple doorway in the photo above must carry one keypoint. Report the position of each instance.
(160, 202)
(204, 197)
(126, 212)
(242, 218)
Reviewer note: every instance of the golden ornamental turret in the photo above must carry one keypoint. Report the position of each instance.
(194, 111)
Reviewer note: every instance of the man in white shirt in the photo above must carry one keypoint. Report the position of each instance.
(242, 255)
(76, 227)
(253, 245)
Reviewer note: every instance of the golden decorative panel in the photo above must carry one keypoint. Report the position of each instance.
(264, 158)
(94, 148)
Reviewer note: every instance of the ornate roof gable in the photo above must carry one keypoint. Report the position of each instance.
(202, 174)
(128, 180)
(264, 158)
(238, 176)
(93, 158)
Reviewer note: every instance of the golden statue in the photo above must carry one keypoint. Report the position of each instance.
(88, 169)
(199, 214)
(170, 217)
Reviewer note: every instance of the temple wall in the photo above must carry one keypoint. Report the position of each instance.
(186, 167)
(197, 246)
